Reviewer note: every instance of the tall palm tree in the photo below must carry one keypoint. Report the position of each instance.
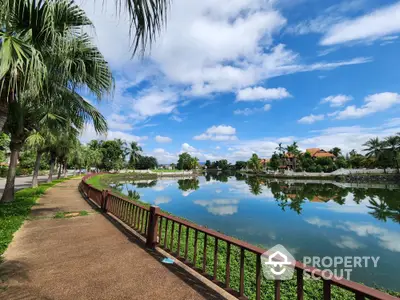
(393, 145)
(31, 29)
(373, 148)
(135, 151)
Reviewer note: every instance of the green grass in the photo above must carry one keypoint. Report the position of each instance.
(13, 214)
(63, 214)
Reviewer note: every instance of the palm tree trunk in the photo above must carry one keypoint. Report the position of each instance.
(35, 182)
(65, 170)
(9, 192)
(52, 163)
(3, 113)
(59, 170)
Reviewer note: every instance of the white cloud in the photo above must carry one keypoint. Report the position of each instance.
(89, 134)
(218, 133)
(176, 118)
(162, 139)
(377, 24)
(120, 122)
(187, 148)
(164, 157)
(373, 103)
(154, 102)
(387, 239)
(203, 59)
(261, 94)
(347, 242)
(319, 222)
(221, 129)
(336, 100)
(162, 200)
(249, 111)
(311, 119)
(220, 207)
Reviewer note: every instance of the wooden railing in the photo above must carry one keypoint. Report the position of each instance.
(194, 245)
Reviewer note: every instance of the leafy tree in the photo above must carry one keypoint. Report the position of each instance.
(239, 165)
(393, 145)
(188, 184)
(208, 164)
(254, 163)
(185, 162)
(146, 162)
(341, 162)
(113, 154)
(275, 162)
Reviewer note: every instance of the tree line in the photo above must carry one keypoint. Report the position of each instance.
(378, 153)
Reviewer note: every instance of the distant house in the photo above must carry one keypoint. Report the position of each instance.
(264, 161)
(317, 152)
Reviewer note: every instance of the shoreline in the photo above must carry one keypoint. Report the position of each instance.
(389, 179)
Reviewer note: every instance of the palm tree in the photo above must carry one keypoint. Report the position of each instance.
(28, 116)
(373, 148)
(254, 163)
(336, 151)
(393, 144)
(30, 30)
(135, 151)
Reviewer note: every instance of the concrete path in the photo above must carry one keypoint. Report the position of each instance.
(86, 257)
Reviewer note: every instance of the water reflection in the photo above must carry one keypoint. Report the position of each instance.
(382, 204)
(308, 218)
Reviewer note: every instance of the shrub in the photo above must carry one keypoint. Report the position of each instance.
(3, 171)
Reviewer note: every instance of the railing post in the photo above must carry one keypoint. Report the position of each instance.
(151, 240)
(88, 192)
(104, 196)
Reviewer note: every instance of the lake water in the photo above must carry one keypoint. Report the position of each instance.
(308, 219)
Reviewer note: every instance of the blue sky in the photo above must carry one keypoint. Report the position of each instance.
(226, 79)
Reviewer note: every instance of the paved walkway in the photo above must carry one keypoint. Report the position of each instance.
(86, 257)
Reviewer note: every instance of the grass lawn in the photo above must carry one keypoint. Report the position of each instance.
(13, 214)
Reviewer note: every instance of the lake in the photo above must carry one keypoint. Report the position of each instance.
(308, 219)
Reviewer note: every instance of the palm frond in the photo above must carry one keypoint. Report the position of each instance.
(147, 19)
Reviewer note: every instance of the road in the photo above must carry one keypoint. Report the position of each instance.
(21, 182)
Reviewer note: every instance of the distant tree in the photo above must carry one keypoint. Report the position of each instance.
(146, 162)
(188, 184)
(341, 162)
(275, 162)
(208, 164)
(223, 164)
(336, 151)
(134, 151)
(113, 154)
(393, 145)
(326, 164)
(240, 165)
(254, 163)
(373, 148)
(186, 162)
